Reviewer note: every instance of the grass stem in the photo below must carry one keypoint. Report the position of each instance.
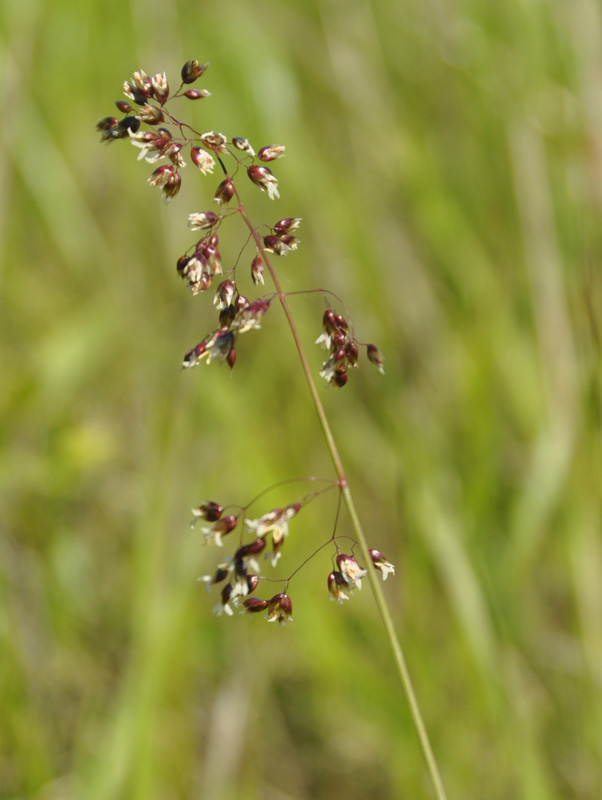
(379, 597)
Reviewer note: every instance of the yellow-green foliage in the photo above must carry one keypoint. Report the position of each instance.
(446, 159)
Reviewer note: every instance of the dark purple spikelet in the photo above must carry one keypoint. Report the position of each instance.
(196, 94)
(151, 115)
(257, 269)
(280, 609)
(106, 123)
(226, 317)
(350, 570)
(224, 192)
(381, 564)
(271, 152)
(250, 316)
(280, 245)
(219, 529)
(338, 586)
(224, 294)
(340, 377)
(252, 549)
(263, 177)
(160, 87)
(202, 159)
(376, 357)
(208, 510)
(192, 70)
(243, 144)
(121, 129)
(202, 220)
(253, 605)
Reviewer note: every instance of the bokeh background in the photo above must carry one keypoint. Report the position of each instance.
(446, 159)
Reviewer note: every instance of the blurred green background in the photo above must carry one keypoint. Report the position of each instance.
(446, 159)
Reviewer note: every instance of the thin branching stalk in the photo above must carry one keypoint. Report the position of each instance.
(381, 603)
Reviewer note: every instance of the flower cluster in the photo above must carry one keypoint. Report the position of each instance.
(349, 574)
(146, 105)
(343, 349)
(241, 571)
(239, 575)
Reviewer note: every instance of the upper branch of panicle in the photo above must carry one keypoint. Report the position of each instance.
(164, 141)
(145, 120)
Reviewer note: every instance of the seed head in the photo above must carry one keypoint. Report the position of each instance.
(376, 357)
(171, 187)
(119, 130)
(215, 532)
(219, 346)
(214, 347)
(143, 83)
(208, 510)
(160, 87)
(193, 271)
(280, 609)
(272, 521)
(224, 294)
(224, 605)
(244, 145)
(202, 159)
(329, 322)
(252, 549)
(106, 123)
(172, 151)
(280, 245)
(192, 70)
(132, 92)
(272, 152)
(337, 340)
(215, 141)
(257, 270)
(181, 265)
(340, 377)
(153, 145)
(162, 175)
(219, 575)
(226, 316)
(191, 359)
(224, 192)
(337, 586)
(202, 220)
(350, 570)
(250, 316)
(262, 177)
(381, 564)
(287, 225)
(340, 323)
(333, 371)
(209, 254)
(253, 605)
(351, 353)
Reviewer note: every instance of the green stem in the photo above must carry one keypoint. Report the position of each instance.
(379, 597)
